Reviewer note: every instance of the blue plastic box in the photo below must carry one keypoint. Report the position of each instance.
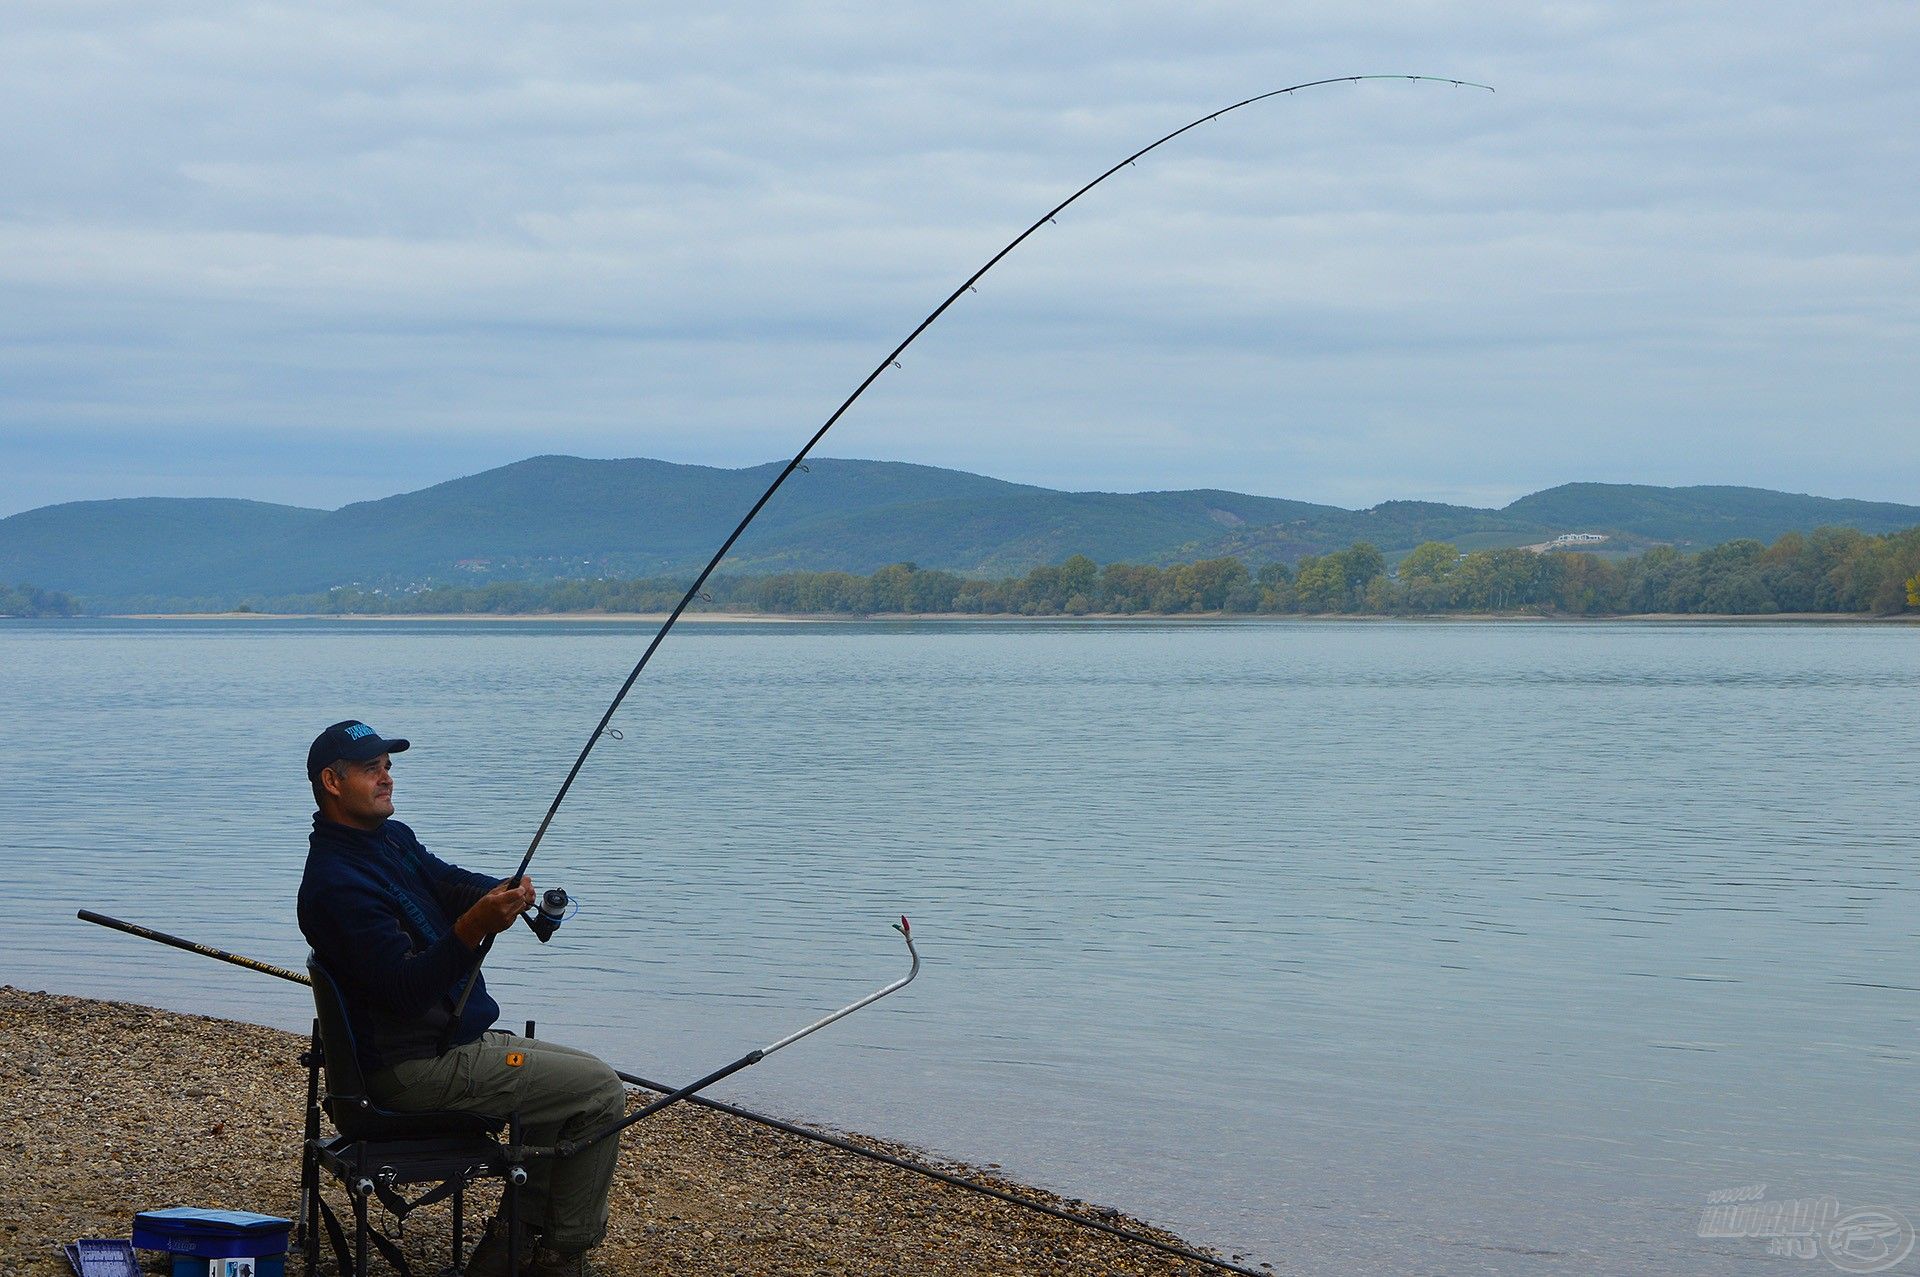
(197, 1238)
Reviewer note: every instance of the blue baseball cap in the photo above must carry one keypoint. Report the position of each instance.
(352, 740)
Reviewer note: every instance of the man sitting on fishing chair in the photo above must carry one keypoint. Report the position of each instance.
(399, 929)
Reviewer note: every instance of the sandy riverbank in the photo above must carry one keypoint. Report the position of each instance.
(653, 617)
(790, 618)
(107, 1108)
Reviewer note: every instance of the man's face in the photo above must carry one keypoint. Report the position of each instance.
(362, 793)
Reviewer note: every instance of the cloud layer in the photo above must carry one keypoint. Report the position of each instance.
(315, 256)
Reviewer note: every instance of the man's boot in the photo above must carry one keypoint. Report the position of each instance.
(489, 1258)
(552, 1263)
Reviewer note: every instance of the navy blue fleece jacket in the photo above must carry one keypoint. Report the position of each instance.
(378, 909)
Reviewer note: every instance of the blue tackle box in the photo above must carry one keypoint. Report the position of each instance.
(215, 1243)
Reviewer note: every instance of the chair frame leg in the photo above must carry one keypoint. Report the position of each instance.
(459, 1265)
(359, 1235)
(360, 1189)
(516, 1173)
(309, 1202)
(310, 1212)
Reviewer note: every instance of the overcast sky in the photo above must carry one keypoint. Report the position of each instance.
(322, 253)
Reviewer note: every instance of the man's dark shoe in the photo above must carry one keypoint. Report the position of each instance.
(551, 1263)
(489, 1258)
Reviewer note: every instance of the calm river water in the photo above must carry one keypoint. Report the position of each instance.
(1394, 947)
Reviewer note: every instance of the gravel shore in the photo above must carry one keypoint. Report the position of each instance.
(107, 1108)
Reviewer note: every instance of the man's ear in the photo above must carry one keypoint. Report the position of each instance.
(330, 781)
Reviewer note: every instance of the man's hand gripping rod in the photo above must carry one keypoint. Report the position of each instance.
(567, 1148)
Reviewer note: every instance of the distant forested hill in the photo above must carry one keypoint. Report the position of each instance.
(1703, 516)
(554, 518)
(158, 546)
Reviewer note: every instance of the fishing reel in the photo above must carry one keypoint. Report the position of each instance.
(546, 916)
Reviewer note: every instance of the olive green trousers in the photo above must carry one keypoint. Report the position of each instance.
(560, 1094)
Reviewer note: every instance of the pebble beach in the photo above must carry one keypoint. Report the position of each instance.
(109, 1108)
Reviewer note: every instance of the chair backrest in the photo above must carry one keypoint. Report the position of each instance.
(346, 1084)
(345, 1097)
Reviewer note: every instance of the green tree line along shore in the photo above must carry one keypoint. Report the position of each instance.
(26, 600)
(1827, 570)
(1824, 571)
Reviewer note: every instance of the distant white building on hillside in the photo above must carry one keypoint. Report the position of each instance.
(1566, 541)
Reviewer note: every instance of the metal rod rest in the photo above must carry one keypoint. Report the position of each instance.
(569, 1147)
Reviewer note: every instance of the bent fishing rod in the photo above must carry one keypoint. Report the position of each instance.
(891, 360)
(688, 1094)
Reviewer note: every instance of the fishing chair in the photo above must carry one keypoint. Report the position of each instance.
(377, 1151)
